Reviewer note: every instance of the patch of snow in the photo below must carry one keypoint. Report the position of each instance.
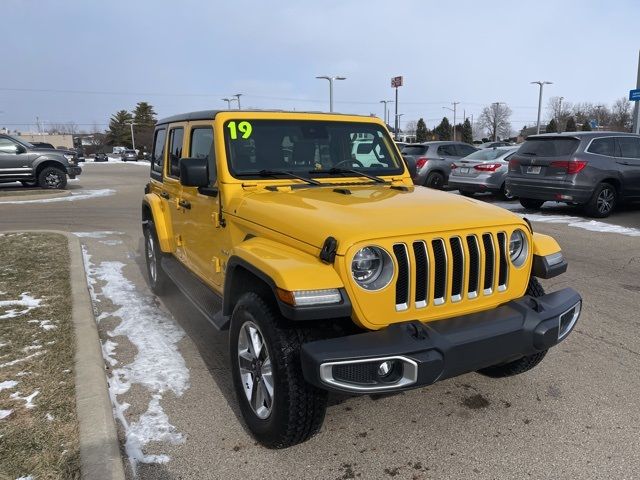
(111, 243)
(28, 477)
(49, 417)
(158, 364)
(22, 374)
(99, 234)
(5, 413)
(28, 399)
(3, 344)
(80, 195)
(31, 347)
(26, 301)
(7, 384)
(24, 359)
(108, 348)
(47, 325)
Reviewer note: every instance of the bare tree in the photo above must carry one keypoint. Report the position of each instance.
(411, 127)
(68, 128)
(494, 119)
(621, 115)
(560, 111)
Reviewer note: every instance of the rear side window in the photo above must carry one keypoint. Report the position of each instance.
(448, 150)
(157, 157)
(549, 147)
(414, 150)
(603, 146)
(629, 147)
(175, 151)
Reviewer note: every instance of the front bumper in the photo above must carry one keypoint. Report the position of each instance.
(424, 353)
(73, 172)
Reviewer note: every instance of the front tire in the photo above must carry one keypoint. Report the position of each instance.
(602, 202)
(531, 203)
(158, 279)
(52, 178)
(280, 408)
(523, 364)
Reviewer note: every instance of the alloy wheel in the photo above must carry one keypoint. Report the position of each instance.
(53, 179)
(605, 200)
(151, 257)
(255, 369)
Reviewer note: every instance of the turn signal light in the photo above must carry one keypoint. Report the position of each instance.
(487, 167)
(572, 167)
(421, 162)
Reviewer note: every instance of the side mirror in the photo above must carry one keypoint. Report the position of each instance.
(411, 165)
(20, 149)
(194, 172)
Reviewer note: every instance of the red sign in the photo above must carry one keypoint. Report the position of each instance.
(396, 82)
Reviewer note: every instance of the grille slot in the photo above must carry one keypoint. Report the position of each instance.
(489, 263)
(402, 284)
(422, 273)
(440, 270)
(457, 257)
(474, 266)
(504, 267)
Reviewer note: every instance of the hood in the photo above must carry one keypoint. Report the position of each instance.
(368, 213)
(60, 151)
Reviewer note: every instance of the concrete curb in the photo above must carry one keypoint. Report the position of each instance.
(99, 448)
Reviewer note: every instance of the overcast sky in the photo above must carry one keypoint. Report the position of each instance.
(82, 60)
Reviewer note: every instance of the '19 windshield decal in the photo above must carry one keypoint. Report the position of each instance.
(244, 128)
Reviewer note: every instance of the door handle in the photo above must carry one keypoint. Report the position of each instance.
(164, 195)
(184, 204)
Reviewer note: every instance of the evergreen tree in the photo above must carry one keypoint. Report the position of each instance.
(144, 118)
(552, 127)
(119, 133)
(443, 131)
(586, 126)
(467, 132)
(571, 125)
(421, 131)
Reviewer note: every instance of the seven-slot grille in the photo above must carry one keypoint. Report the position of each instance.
(445, 270)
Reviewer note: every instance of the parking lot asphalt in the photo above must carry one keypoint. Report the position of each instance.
(577, 415)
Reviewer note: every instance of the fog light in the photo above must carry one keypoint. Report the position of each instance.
(384, 369)
(568, 319)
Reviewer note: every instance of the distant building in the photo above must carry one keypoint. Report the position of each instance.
(57, 140)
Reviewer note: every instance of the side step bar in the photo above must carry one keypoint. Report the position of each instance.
(203, 298)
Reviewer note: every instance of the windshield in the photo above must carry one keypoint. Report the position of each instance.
(489, 154)
(22, 141)
(308, 147)
(549, 147)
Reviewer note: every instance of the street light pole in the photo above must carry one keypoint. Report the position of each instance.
(386, 118)
(495, 119)
(133, 140)
(542, 83)
(238, 95)
(331, 79)
(228, 100)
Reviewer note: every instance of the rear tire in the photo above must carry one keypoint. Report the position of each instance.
(435, 180)
(602, 202)
(158, 279)
(523, 364)
(531, 203)
(505, 195)
(52, 178)
(286, 410)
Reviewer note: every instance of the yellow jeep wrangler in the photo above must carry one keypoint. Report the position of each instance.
(303, 234)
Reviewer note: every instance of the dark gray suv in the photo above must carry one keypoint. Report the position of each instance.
(22, 162)
(593, 169)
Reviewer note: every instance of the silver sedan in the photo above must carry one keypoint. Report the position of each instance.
(482, 171)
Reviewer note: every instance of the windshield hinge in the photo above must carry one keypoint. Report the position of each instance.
(329, 248)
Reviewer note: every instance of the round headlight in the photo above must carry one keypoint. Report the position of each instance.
(372, 268)
(518, 248)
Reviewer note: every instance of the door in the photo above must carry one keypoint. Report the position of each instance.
(629, 161)
(14, 160)
(204, 239)
(171, 188)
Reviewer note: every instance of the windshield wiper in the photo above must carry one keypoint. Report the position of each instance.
(334, 171)
(276, 173)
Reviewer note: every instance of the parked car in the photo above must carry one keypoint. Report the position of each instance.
(434, 159)
(495, 144)
(401, 145)
(129, 155)
(339, 278)
(101, 157)
(41, 144)
(593, 169)
(21, 162)
(483, 171)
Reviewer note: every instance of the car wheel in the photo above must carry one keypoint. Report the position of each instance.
(531, 203)
(523, 364)
(29, 184)
(280, 408)
(505, 194)
(52, 177)
(435, 180)
(602, 202)
(158, 279)
(466, 193)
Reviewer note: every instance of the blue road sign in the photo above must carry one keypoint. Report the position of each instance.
(634, 95)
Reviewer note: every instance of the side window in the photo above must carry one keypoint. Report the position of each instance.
(157, 157)
(629, 147)
(447, 151)
(7, 146)
(603, 146)
(176, 136)
(464, 150)
(201, 146)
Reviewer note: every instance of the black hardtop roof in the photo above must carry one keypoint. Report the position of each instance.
(211, 114)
